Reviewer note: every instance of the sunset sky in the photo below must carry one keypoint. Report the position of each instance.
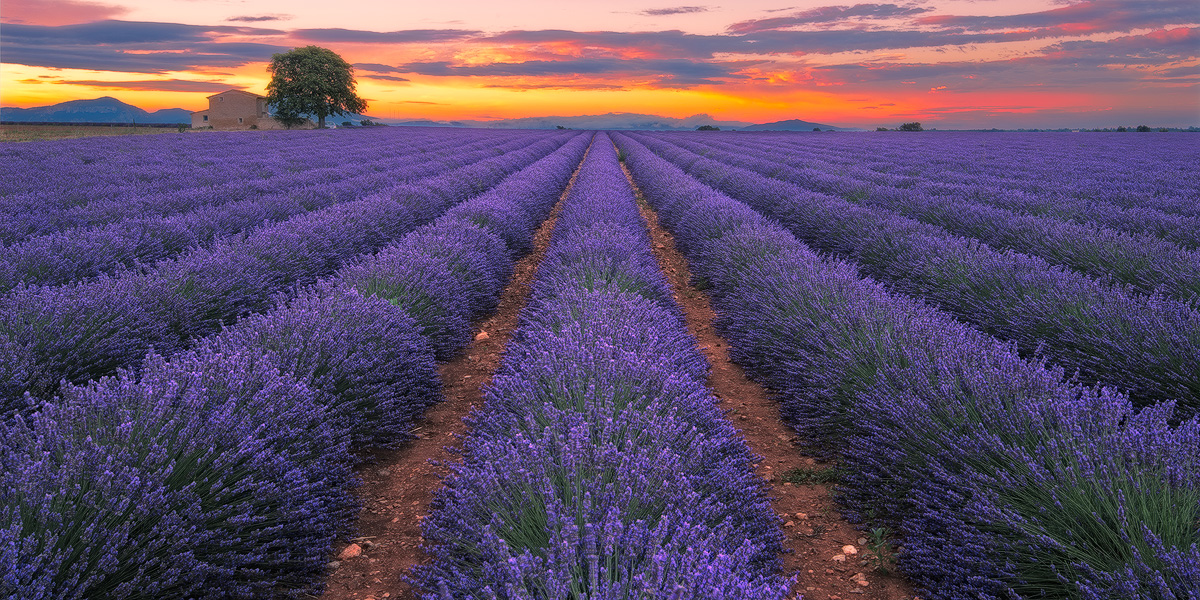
(946, 63)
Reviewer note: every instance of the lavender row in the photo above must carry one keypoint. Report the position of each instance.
(224, 472)
(600, 465)
(1149, 346)
(1146, 263)
(85, 330)
(933, 177)
(31, 168)
(1104, 169)
(67, 174)
(77, 254)
(1001, 477)
(933, 173)
(475, 243)
(169, 181)
(35, 215)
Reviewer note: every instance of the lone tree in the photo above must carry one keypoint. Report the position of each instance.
(313, 81)
(914, 126)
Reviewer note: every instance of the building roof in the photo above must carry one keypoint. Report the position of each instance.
(240, 92)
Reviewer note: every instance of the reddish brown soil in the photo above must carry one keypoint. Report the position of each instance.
(816, 531)
(399, 484)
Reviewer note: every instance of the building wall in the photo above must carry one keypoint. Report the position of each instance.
(235, 110)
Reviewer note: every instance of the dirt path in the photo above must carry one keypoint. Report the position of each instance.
(817, 535)
(399, 484)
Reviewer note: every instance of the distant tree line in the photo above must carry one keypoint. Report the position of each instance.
(913, 126)
(916, 126)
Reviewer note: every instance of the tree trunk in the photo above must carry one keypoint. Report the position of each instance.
(321, 122)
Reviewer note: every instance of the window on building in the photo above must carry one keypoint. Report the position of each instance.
(222, 98)
(239, 120)
(205, 117)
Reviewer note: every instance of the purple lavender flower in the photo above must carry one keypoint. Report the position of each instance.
(209, 477)
(365, 359)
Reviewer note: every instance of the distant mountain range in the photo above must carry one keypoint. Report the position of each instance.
(794, 125)
(111, 110)
(98, 110)
(626, 121)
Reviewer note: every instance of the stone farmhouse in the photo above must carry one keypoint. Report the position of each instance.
(237, 109)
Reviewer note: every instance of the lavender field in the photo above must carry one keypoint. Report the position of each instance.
(995, 336)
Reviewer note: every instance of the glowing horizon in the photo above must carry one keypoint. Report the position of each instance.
(949, 64)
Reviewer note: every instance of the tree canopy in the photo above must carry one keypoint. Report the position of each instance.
(311, 81)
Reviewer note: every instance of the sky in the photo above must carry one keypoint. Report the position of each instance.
(946, 63)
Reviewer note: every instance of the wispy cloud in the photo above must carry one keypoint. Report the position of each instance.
(258, 18)
(1084, 17)
(675, 10)
(356, 36)
(58, 12)
(375, 68)
(386, 78)
(156, 85)
(828, 14)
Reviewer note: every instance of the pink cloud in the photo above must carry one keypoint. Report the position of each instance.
(58, 12)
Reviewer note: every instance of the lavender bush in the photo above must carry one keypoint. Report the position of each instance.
(15, 371)
(209, 477)
(475, 256)
(424, 287)
(513, 209)
(363, 357)
(81, 331)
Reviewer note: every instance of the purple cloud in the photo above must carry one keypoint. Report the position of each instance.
(827, 14)
(386, 78)
(1084, 17)
(134, 47)
(677, 10)
(410, 36)
(258, 18)
(167, 85)
(671, 73)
